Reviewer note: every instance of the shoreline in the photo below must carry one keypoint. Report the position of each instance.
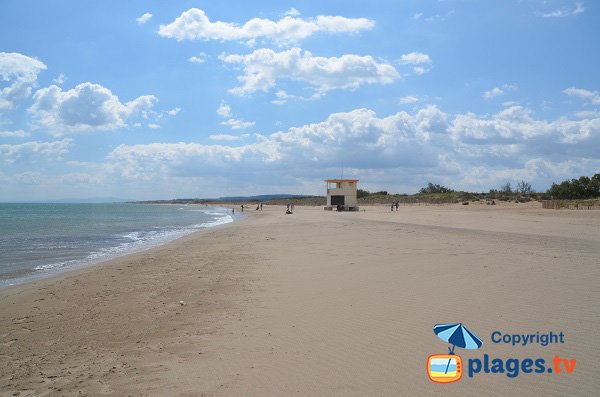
(109, 253)
(316, 303)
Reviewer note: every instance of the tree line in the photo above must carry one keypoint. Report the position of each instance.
(572, 189)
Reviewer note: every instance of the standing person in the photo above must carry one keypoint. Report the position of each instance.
(233, 210)
(261, 206)
(397, 205)
(288, 207)
(242, 207)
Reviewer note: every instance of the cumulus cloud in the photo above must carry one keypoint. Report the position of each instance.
(194, 24)
(200, 58)
(18, 75)
(144, 18)
(224, 110)
(292, 12)
(590, 96)
(263, 67)
(86, 107)
(187, 159)
(513, 133)
(14, 134)
(420, 61)
(174, 111)
(465, 150)
(499, 91)
(32, 150)
(493, 93)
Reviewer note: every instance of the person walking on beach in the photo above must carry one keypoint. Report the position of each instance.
(397, 205)
(242, 207)
(261, 206)
(233, 210)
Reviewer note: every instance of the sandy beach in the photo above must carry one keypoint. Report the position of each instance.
(316, 304)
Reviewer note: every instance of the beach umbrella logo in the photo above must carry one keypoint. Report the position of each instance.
(446, 368)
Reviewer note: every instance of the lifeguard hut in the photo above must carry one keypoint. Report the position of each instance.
(341, 194)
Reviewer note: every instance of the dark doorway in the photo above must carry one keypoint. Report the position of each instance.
(337, 200)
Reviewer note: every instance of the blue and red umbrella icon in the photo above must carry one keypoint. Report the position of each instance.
(457, 335)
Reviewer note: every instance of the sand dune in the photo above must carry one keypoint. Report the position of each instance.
(316, 303)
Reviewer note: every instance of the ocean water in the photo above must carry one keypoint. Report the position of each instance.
(40, 240)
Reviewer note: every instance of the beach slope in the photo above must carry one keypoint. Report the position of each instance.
(315, 303)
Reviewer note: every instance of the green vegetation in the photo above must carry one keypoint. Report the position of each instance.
(431, 188)
(582, 188)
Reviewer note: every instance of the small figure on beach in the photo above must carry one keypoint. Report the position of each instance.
(242, 207)
(261, 206)
(288, 207)
(288, 212)
(233, 210)
(397, 205)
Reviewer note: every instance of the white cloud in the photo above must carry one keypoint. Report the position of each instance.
(227, 137)
(421, 62)
(14, 134)
(200, 58)
(86, 107)
(493, 93)
(590, 96)
(408, 99)
(18, 76)
(465, 151)
(224, 110)
(514, 129)
(417, 16)
(60, 79)
(237, 124)
(153, 126)
(499, 91)
(263, 67)
(174, 111)
(28, 150)
(415, 58)
(144, 18)
(292, 12)
(283, 97)
(194, 24)
(566, 11)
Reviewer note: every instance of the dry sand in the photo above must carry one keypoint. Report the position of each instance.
(316, 303)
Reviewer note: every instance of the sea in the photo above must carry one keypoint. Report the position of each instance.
(41, 240)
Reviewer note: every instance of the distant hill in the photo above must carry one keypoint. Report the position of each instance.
(232, 199)
(262, 197)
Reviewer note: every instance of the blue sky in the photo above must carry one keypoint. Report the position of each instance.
(156, 100)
